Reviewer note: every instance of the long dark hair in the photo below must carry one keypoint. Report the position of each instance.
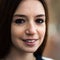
(7, 9)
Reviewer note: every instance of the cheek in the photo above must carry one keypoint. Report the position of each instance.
(16, 31)
(41, 31)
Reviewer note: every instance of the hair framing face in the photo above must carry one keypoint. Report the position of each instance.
(7, 9)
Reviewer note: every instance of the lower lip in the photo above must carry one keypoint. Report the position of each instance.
(30, 43)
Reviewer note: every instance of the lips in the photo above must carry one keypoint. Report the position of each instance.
(30, 42)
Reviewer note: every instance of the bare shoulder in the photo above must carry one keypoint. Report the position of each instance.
(45, 58)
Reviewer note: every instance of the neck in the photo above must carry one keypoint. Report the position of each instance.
(18, 55)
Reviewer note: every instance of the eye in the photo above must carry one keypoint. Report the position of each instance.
(39, 21)
(19, 21)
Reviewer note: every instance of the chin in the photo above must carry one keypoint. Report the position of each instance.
(30, 50)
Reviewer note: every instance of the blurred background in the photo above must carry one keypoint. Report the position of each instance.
(52, 49)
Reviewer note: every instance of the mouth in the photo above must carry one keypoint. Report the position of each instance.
(30, 42)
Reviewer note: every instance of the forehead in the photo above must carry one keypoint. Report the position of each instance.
(30, 6)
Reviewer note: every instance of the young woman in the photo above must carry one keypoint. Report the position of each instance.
(23, 29)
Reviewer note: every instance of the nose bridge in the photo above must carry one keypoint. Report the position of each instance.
(32, 25)
(31, 28)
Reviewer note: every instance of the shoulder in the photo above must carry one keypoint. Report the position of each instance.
(45, 58)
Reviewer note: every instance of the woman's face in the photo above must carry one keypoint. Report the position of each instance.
(28, 26)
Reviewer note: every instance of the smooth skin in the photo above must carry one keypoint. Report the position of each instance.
(27, 30)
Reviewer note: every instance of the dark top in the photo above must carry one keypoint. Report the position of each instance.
(38, 57)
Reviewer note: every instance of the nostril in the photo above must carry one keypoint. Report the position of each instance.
(27, 31)
(30, 31)
(31, 28)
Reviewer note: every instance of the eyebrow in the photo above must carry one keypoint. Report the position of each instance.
(41, 15)
(21, 15)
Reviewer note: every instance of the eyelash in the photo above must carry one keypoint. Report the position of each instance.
(39, 21)
(19, 21)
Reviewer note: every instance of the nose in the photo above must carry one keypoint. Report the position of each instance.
(31, 29)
